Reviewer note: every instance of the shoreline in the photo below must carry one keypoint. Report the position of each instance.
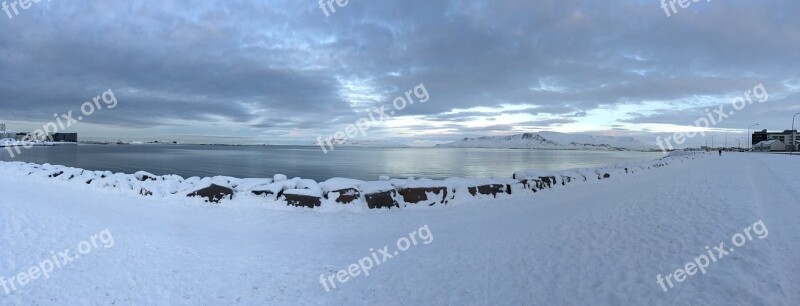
(337, 193)
(36, 144)
(306, 162)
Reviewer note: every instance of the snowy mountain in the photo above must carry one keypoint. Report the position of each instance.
(554, 141)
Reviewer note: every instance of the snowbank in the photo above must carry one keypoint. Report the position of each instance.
(600, 242)
(677, 153)
(8, 142)
(338, 193)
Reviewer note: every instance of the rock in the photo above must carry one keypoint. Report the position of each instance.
(417, 195)
(302, 200)
(144, 176)
(346, 196)
(492, 189)
(303, 197)
(534, 184)
(342, 190)
(382, 199)
(548, 181)
(262, 192)
(145, 192)
(379, 194)
(272, 191)
(213, 193)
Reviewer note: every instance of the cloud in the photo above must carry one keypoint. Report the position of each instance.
(548, 122)
(280, 71)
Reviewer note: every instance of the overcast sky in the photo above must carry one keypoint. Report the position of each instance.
(283, 72)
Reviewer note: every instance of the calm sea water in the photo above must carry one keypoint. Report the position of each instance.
(310, 162)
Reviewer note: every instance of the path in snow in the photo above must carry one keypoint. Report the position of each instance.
(599, 242)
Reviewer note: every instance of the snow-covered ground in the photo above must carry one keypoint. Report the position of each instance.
(598, 242)
(21, 145)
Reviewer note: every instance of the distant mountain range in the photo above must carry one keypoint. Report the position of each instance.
(368, 143)
(554, 141)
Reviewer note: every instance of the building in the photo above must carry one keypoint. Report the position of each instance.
(773, 145)
(65, 137)
(784, 137)
(5, 133)
(56, 137)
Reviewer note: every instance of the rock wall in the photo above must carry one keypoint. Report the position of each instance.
(386, 193)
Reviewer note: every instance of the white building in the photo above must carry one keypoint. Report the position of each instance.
(773, 145)
(5, 133)
(785, 137)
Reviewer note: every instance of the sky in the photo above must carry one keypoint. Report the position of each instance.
(290, 72)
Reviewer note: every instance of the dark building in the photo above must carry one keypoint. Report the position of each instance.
(65, 137)
(785, 137)
(759, 136)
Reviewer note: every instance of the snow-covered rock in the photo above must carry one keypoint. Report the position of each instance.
(334, 193)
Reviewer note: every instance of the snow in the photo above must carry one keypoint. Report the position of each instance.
(461, 189)
(143, 175)
(304, 192)
(339, 183)
(375, 187)
(554, 140)
(595, 242)
(14, 145)
(307, 184)
(252, 184)
(678, 153)
(8, 142)
(419, 183)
